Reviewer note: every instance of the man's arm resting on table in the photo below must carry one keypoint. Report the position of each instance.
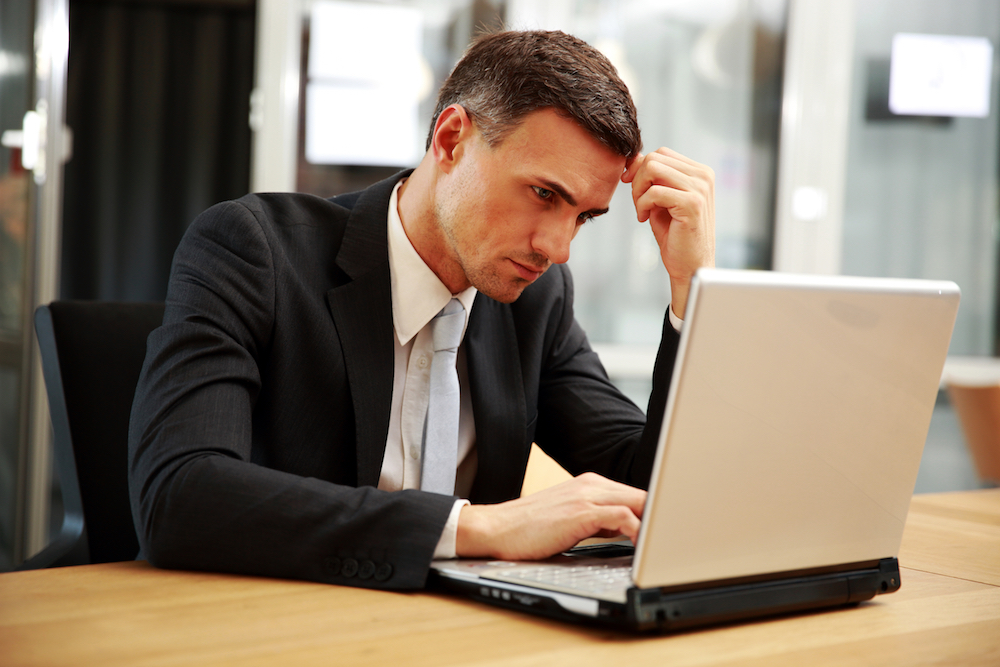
(200, 500)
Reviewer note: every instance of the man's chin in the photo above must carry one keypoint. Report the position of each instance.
(503, 292)
(509, 295)
(501, 285)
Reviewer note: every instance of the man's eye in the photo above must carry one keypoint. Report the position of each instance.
(585, 217)
(542, 192)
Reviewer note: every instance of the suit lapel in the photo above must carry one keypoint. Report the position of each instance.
(362, 312)
(497, 393)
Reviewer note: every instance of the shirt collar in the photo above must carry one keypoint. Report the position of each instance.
(417, 293)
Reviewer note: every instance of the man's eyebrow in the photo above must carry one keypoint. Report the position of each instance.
(559, 190)
(568, 198)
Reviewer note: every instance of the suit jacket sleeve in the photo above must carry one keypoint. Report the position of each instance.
(583, 421)
(207, 492)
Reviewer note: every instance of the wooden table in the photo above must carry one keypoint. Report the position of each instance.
(947, 613)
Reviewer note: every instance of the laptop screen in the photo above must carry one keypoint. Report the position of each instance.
(797, 416)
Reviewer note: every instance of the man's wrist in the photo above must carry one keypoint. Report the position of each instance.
(675, 321)
(472, 536)
(446, 545)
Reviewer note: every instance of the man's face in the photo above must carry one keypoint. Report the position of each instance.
(508, 213)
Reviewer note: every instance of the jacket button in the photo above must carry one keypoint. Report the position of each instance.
(332, 565)
(349, 567)
(366, 570)
(383, 572)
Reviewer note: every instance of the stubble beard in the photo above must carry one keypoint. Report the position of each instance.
(484, 276)
(481, 272)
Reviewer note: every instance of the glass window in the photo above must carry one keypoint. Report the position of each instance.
(706, 78)
(16, 24)
(921, 190)
(414, 44)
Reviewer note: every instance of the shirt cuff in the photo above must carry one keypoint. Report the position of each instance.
(675, 321)
(446, 545)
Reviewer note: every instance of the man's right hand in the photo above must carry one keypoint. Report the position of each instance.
(550, 521)
(677, 196)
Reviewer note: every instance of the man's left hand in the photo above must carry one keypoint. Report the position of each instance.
(677, 196)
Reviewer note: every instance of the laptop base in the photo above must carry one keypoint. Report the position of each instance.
(681, 608)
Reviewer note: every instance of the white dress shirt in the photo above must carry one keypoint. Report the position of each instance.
(417, 296)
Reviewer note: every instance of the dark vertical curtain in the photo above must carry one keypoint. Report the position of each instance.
(158, 102)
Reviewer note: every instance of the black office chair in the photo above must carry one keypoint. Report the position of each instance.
(92, 353)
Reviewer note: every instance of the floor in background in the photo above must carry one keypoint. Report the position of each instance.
(946, 465)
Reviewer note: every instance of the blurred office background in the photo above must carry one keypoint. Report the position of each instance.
(159, 108)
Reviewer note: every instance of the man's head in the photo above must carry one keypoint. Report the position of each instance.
(505, 76)
(531, 137)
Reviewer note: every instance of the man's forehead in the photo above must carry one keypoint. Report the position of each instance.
(551, 148)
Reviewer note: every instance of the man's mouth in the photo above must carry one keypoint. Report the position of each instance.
(528, 272)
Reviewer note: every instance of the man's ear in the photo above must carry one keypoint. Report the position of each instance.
(452, 129)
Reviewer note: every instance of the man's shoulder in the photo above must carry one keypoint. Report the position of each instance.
(298, 208)
(289, 208)
(267, 222)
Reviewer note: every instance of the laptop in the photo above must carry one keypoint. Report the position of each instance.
(789, 451)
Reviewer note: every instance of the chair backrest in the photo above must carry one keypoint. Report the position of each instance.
(92, 353)
(978, 410)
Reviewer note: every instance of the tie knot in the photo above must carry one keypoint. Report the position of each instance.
(447, 326)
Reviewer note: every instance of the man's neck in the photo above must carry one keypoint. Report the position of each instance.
(415, 205)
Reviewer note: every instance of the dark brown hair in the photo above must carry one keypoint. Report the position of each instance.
(504, 76)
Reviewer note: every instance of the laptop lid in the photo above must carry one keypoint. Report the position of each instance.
(795, 425)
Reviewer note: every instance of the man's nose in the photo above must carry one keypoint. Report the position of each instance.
(553, 238)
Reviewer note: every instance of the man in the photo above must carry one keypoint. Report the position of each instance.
(279, 423)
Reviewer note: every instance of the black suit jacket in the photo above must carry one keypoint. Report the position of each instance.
(261, 415)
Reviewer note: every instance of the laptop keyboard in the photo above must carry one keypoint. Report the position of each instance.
(593, 579)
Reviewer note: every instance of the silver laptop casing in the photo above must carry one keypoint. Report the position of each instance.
(795, 426)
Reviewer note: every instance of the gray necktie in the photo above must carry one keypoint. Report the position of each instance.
(441, 424)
